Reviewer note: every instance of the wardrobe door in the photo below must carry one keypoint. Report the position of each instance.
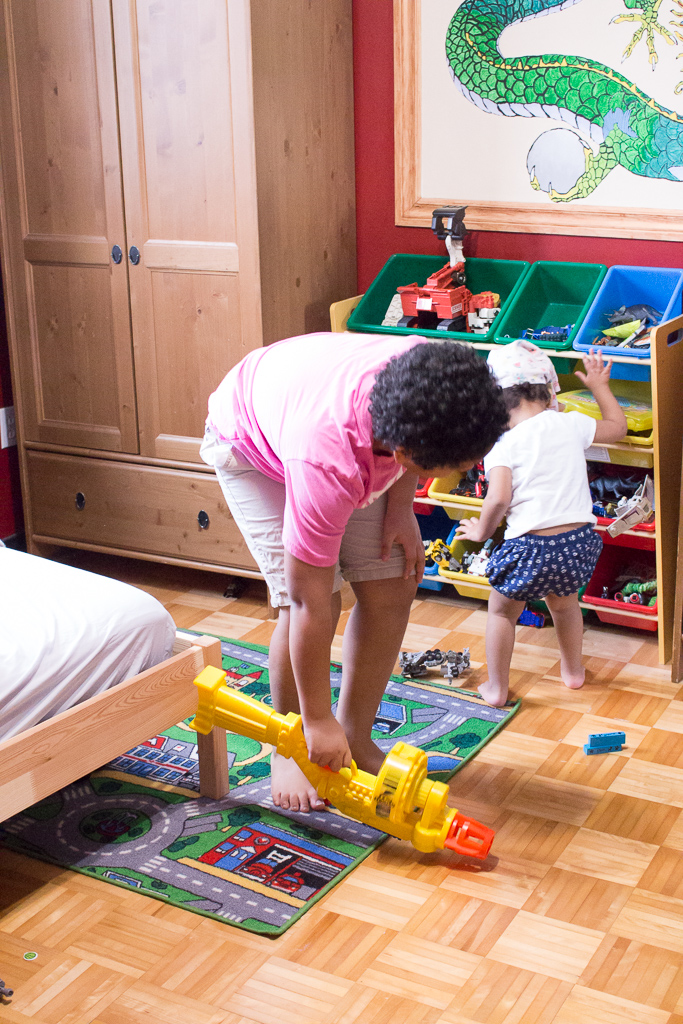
(68, 306)
(184, 87)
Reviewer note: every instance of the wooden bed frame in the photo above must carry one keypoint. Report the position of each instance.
(54, 753)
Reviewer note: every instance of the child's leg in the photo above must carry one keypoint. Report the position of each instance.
(500, 641)
(568, 622)
(290, 788)
(372, 641)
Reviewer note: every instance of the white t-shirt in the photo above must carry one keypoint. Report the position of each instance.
(549, 481)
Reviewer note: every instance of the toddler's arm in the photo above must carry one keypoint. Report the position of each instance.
(496, 504)
(612, 427)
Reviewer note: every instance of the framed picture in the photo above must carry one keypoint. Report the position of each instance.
(546, 116)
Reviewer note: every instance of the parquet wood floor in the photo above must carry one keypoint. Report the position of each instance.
(580, 921)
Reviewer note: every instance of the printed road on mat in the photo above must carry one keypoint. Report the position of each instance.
(137, 820)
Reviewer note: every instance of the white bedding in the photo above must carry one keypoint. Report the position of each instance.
(67, 634)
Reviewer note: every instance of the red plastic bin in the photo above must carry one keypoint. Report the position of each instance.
(644, 527)
(644, 540)
(419, 507)
(612, 560)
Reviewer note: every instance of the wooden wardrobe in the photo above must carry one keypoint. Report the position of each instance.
(177, 189)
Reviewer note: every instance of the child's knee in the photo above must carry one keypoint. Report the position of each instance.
(505, 607)
(557, 603)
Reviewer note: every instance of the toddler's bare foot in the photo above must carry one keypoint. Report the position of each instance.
(575, 680)
(290, 788)
(493, 694)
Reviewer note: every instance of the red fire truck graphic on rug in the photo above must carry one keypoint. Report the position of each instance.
(278, 860)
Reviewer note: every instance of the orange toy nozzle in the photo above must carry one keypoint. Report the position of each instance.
(469, 837)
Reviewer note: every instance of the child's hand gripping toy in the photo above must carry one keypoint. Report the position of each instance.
(400, 800)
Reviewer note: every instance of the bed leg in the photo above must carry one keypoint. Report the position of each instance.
(212, 750)
(213, 764)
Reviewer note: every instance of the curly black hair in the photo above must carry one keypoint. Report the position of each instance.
(440, 403)
(517, 393)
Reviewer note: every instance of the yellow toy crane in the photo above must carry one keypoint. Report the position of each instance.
(400, 800)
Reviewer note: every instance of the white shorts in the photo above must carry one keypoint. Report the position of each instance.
(257, 505)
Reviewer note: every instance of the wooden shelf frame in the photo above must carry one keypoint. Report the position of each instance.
(473, 510)
(569, 353)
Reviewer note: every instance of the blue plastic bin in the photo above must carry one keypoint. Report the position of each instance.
(430, 580)
(660, 287)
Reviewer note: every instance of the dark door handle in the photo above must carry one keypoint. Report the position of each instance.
(134, 255)
(117, 253)
(203, 520)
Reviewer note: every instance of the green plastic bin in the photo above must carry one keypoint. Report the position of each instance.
(551, 295)
(501, 276)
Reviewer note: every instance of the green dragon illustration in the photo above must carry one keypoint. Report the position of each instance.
(626, 126)
(649, 25)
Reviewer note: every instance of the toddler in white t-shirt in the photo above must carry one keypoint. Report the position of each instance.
(538, 482)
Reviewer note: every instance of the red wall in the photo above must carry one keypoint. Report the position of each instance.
(379, 238)
(10, 497)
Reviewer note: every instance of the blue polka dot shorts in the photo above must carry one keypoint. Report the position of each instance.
(534, 565)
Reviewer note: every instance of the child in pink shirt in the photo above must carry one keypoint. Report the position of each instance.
(317, 442)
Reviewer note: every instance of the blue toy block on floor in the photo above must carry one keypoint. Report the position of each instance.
(604, 742)
(531, 618)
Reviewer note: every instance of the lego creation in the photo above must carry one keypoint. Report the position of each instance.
(474, 563)
(624, 498)
(604, 742)
(400, 800)
(455, 663)
(7, 993)
(444, 302)
(417, 664)
(632, 585)
(549, 334)
(531, 618)
(451, 663)
(472, 484)
(437, 553)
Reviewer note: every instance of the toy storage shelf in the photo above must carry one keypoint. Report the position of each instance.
(625, 455)
(485, 346)
(470, 511)
(664, 457)
(666, 373)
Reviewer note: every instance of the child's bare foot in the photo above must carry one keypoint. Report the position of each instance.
(574, 680)
(367, 755)
(290, 788)
(493, 694)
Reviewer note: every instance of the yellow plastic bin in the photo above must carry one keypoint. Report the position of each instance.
(440, 491)
(466, 584)
(635, 400)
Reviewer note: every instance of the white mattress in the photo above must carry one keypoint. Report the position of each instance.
(67, 634)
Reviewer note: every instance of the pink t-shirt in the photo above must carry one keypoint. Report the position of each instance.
(298, 411)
